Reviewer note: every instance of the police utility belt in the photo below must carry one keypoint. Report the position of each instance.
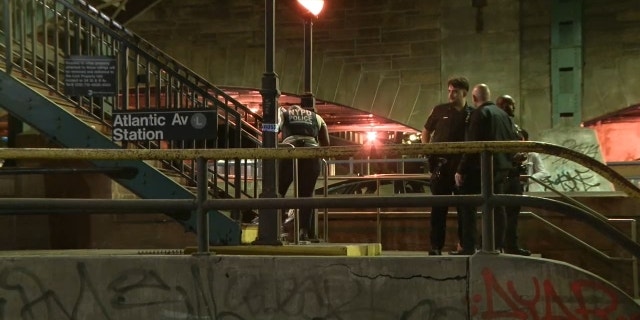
(301, 141)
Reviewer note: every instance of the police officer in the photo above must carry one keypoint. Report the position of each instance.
(487, 123)
(507, 235)
(302, 128)
(446, 123)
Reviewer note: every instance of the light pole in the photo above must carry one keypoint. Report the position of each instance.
(313, 8)
(269, 226)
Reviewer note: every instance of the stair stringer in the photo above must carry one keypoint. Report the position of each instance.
(69, 131)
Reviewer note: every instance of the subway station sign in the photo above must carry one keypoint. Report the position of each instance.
(163, 125)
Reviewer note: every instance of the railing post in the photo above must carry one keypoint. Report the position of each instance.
(325, 217)
(486, 176)
(634, 263)
(351, 165)
(8, 30)
(296, 194)
(202, 215)
(378, 213)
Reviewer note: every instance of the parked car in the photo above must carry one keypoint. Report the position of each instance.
(379, 184)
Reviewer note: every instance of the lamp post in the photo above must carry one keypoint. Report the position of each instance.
(269, 226)
(313, 8)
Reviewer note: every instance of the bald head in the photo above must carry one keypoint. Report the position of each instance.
(480, 94)
(506, 103)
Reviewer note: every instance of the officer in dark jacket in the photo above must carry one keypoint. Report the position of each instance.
(302, 128)
(487, 123)
(446, 123)
(514, 185)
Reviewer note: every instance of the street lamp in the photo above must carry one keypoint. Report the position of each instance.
(313, 8)
(269, 227)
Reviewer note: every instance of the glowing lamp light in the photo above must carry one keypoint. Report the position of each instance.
(313, 6)
(371, 136)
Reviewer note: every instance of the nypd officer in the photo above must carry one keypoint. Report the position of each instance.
(302, 128)
(446, 123)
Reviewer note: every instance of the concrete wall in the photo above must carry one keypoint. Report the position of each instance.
(231, 287)
(392, 57)
(611, 56)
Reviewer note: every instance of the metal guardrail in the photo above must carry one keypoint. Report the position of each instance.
(633, 260)
(377, 179)
(366, 164)
(327, 164)
(633, 232)
(486, 199)
(201, 205)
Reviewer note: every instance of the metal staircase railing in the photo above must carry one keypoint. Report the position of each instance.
(44, 33)
(583, 244)
(38, 35)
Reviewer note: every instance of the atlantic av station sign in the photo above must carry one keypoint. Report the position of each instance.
(164, 125)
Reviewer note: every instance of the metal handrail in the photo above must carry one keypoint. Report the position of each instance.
(326, 164)
(634, 260)
(325, 216)
(320, 152)
(89, 32)
(340, 151)
(567, 198)
(369, 161)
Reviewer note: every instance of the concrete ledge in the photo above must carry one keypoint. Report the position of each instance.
(128, 284)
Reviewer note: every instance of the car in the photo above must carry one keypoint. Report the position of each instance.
(371, 185)
(379, 184)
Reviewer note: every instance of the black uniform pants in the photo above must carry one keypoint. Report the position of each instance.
(308, 172)
(442, 183)
(472, 185)
(512, 186)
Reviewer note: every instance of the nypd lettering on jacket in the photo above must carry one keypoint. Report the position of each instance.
(301, 116)
(299, 122)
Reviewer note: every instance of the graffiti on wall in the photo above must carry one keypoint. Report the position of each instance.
(568, 176)
(541, 299)
(228, 292)
(240, 294)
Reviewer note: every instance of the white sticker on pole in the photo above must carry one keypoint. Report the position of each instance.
(269, 127)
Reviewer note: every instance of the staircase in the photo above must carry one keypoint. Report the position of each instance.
(36, 37)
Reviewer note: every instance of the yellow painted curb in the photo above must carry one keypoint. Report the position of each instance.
(315, 249)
